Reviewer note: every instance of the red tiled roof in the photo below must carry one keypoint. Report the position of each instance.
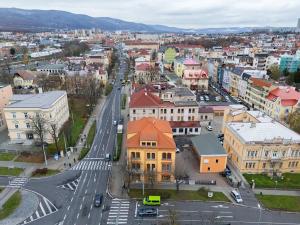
(260, 82)
(288, 95)
(150, 129)
(175, 124)
(144, 98)
(143, 67)
(25, 74)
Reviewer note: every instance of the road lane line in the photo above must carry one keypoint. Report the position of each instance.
(42, 208)
(48, 206)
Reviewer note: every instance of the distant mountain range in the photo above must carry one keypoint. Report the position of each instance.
(12, 19)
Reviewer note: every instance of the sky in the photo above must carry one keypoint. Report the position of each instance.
(179, 13)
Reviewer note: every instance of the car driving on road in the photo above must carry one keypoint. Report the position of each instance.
(147, 211)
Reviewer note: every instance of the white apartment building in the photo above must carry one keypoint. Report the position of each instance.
(53, 106)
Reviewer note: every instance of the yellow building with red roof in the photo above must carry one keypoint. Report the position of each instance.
(151, 150)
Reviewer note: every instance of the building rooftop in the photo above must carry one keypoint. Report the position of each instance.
(186, 103)
(288, 95)
(42, 101)
(267, 132)
(150, 129)
(207, 144)
(260, 116)
(183, 91)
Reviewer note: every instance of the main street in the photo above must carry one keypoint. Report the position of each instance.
(70, 195)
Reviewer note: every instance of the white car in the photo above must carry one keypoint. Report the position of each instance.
(209, 128)
(236, 196)
(177, 150)
(201, 98)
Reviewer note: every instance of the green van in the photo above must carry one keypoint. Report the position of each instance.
(152, 200)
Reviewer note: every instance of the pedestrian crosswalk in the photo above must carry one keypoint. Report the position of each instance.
(45, 208)
(71, 185)
(92, 165)
(17, 182)
(118, 213)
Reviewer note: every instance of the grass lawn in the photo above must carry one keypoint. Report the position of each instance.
(89, 142)
(7, 156)
(74, 126)
(108, 89)
(201, 194)
(48, 173)
(289, 181)
(9, 207)
(31, 158)
(5, 171)
(286, 203)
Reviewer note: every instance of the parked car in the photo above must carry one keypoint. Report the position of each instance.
(236, 196)
(115, 123)
(147, 211)
(98, 200)
(177, 150)
(209, 128)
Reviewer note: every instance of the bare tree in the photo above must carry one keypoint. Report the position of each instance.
(179, 176)
(39, 128)
(53, 130)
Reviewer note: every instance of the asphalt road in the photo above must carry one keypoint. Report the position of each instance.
(69, 196)
(187, 213)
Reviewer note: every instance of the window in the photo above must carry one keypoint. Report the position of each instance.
(178, 110)
(28, 125)
(190, 110)
(196, 129)
(264, 165)
(153, 111)
(208, 168)
(148, 144)
(166, 156)
(150, 156)
(180, 130)
(165, 111)
(172, 110)
(16, 126)
(29, 136)
(26, 115)
(144, 111)
(153, 144)
(217, 161)
(143, 143)
(166, 167)
(14, 115)
(133, 111)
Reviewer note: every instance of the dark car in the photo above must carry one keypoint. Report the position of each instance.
(98, 200)
(147, 211)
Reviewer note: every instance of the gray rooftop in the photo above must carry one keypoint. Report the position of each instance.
(207, 144)
(186, 103)
(52, 67)
(42, 101)
(183, 91)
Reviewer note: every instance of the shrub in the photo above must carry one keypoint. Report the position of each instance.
(42, 171)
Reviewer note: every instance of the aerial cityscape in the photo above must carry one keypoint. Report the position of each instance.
(154, 113)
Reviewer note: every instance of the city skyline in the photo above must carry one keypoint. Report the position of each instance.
(188, 14)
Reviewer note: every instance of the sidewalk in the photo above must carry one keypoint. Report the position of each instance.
(277, 192)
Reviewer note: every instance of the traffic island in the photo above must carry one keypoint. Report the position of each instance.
(181, 195)
(10, 205)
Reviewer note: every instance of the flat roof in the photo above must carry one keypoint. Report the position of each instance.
(268, 132)
(260, 116)
(208, 144)
(43, 100)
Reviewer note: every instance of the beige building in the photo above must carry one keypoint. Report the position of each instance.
(151, 150)
(24, 79)
(256, 143)
(53, 106)
(5, 95)
(257, 91)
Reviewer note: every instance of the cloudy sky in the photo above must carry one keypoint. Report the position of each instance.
(180, 13)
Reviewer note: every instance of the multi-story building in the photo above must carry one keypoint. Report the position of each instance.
(177, 105)
(5, 95)
(193, 76)
(151, 150)
(256, 143)
(24, 79)
(282, 101)
(260, 61)
(290, 63)
(22, 109)
(256, 93)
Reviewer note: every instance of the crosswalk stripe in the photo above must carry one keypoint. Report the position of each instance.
(92, 165)
(47, 204)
